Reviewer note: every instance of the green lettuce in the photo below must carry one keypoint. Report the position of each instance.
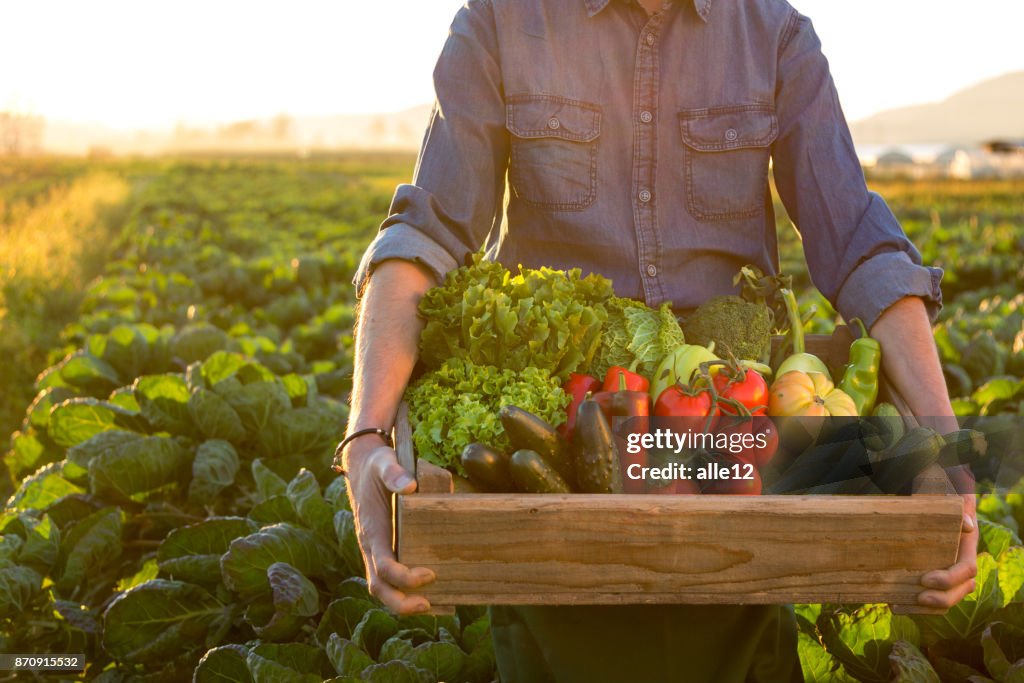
(458, 404)
(541, 318)
(636, 337)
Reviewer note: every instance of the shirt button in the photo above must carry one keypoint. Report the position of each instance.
(553, 123)
(650, 39)
(731, 134)
(645, 196)
(646, 116)
(652, 270)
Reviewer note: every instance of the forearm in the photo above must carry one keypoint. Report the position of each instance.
(386, 343)
(911, 364)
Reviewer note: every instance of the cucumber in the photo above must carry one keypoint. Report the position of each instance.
(884, 428)
(895, 471)
(963, 447)
(532, 474)
(526, 430)
(595, 456)
(487, 468)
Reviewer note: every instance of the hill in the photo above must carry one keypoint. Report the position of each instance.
(989, 109)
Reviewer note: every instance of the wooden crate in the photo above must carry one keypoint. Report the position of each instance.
(577, 549)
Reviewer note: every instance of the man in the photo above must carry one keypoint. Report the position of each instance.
(636, 139)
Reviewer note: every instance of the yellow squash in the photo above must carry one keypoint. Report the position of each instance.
(808, 394)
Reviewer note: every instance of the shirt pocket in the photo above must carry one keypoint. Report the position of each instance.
(554, 151)
(726, 152)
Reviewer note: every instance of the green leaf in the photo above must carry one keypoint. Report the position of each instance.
(256, 403)
(220, 366)
(45, 400)
(28, 453)
(353, 587)
(476, 640)
(295, 600)
(42, 543)
(224, 664)
(443, 660)
(159, 620)
(90, 545)
(126, 348)
(347, 659)
(861, 639)
(345, 530)
(192, 553)
(342, 617)
(476, 633)
(336, 493)
(18, 586)
(78, 616)
(967, 619)
(396, 647)
(85, 371)
(268, 484)
(197, 342)
(1011, 575)
(373, 630)
(304, 493)
(1003, 645)
(274, 511)
(137, 468)
(213, 470)
(298, 432)
(396, 672)
(163, 401)
(215, 418)
(149, 571)
(909, 665)
(79, 419)
(80, 455)
(42, 489)
(995, 538)
(288, 662)
(244, 566)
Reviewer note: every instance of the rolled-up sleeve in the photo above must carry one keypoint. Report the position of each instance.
(857, 253)
(456, 195)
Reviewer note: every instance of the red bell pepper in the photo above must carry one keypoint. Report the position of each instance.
(633, 381)
(626, 403)
(577, 386)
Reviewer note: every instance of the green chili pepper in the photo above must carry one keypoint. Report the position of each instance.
(860, 378)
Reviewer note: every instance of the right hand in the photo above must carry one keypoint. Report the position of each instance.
(373, 475)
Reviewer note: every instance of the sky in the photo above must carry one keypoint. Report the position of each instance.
(153, 64)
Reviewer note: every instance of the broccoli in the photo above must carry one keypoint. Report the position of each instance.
(736, 326)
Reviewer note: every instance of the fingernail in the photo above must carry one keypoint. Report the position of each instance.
(422, 607)
(968, 523)
(402, 481)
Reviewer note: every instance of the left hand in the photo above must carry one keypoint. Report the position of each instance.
(947, 587)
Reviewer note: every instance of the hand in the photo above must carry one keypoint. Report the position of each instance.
(947, 587)
(373, 475)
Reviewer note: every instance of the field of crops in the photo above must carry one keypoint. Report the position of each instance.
(171, 511)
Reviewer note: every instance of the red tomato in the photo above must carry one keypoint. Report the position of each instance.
(750, 389)
(692, 405)
(758, 431)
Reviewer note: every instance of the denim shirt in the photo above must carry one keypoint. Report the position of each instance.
(586, 133)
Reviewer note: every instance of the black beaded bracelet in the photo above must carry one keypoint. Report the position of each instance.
(382, 433)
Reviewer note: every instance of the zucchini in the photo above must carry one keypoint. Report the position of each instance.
(884, 428)
(595, 456)
(895, 471)
(532, 474)
(487, 468)
(526, 430)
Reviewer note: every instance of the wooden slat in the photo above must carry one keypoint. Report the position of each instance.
(589, 549)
